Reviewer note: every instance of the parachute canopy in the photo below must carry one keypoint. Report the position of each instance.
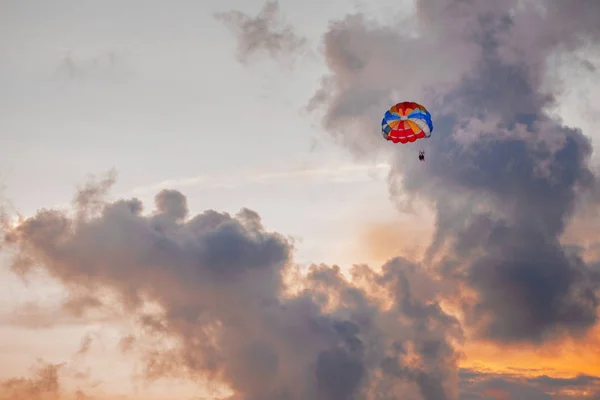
(406, 122)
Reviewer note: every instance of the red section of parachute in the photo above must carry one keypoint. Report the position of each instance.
(404, 134)
(401, 108)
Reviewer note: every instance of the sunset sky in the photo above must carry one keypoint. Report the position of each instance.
(196, 201)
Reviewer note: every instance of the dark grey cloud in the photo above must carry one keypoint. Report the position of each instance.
(503, 176)
(219, 280)
(265, 32)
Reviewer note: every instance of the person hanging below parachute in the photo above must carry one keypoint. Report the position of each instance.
(407, 122)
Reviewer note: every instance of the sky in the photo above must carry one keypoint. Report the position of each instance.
(197, 203)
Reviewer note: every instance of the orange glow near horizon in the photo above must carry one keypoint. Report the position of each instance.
(561, 359)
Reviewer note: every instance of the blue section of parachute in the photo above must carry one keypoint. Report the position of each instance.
(424, 115)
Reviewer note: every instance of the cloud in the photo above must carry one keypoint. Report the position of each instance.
(48, 381)
(477, 385)
(44, 385)
(222, 310)
(504, 178)
(107, 67)
(234, 179)
(86, 344)
(219, 296)
(262, 33)
(565, 356)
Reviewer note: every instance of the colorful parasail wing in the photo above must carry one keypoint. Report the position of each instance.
(406, 122)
